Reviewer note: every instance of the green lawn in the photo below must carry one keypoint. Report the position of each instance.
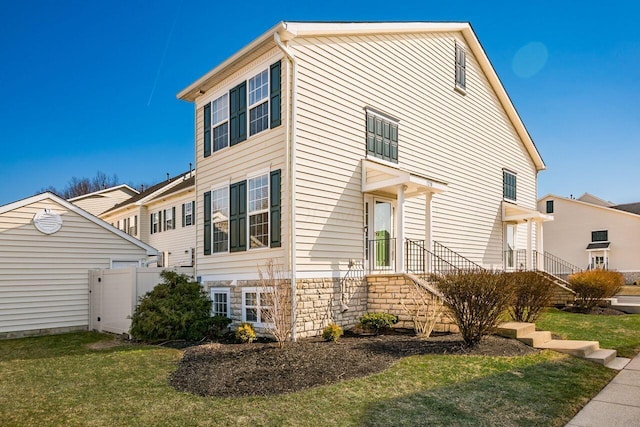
(621, 333)
(60, 381)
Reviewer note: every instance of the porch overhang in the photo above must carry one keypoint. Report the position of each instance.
(377, 177)
(515, 213)
(598, 246)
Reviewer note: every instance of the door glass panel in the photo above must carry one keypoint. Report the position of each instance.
(383, 233)
(511, 244)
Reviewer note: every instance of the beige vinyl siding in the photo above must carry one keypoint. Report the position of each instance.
(99, 203)
(121, 215)
(462, 140)
(44, 278)
(261, 152)
(180, 241)
(568, 235)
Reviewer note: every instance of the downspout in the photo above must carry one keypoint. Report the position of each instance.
(291, 152)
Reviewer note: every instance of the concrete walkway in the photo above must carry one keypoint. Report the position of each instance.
(618, 404)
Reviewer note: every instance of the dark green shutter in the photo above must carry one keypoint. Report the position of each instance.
(238, 216)
(160, 221)
(183, 214)
(275, 96)
(193, 212)
(174, 220)
(207, 130)
(207, 223)
(238, 114)
(275, 210)
(150, 223)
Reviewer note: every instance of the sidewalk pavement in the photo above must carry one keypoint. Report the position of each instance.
(618, 404)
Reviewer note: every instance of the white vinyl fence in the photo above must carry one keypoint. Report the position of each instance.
(114, 294)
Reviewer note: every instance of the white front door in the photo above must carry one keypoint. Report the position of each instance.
(381, 232)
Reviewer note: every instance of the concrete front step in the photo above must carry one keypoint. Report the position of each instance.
(573, 347)
(516, 329)
(619, 363)
(602, 356)
(536, 339)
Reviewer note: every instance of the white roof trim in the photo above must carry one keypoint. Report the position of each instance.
(47, 195)
(393, 177)
(520, 214)
(290, 30)
(106, 190)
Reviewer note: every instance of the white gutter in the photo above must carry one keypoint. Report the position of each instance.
(291, 152)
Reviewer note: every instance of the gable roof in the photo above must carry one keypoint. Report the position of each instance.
(160, 189)
(124, 187)
(617, 209)
(590, 198)
(629, 207)
(290, 30)
(70, 206)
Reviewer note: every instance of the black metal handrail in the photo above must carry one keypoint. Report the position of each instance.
(557, 266)
(382, 254)
(419, 260)
(453, 258)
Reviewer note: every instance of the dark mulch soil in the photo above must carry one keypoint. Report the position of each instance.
(264, 369)
(601, 311)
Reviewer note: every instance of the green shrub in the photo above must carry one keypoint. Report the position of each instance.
(378, 321)
(332, 332)
(245, 333)
(177, 308)
(532, 293)
(592, 286)
(219, 325)
(476, 300)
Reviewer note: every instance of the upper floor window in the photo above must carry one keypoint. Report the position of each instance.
(382, 137)
(461, 67)
(220, 122)
(188, 214)
(155, 222)
(259, 212)
(220, 219)
(169, 215)
(549, 206)
(133, 229)
(226, 119)
(509, 185)
(600, 236)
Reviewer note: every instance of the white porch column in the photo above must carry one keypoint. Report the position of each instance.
(400, 255)
(529, 245)
(428, 223)
(539, 245)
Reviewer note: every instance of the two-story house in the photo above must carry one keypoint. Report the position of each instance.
(162, 216)
(327, 146)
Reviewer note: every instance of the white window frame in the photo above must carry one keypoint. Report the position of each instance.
(155, 223)
(220, 122)
(187, 206)
(225, 188)
(223, 291)
(168, 212)
(258, 291)
(266, 210)
(259, 101)
(462, 66)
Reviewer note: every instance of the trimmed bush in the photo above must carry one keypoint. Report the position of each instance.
(245, 333)
(332, 332)
(532, 293)
(592, 286)
(178, 308)
(378, 321)
(219, 326)
(477, 300)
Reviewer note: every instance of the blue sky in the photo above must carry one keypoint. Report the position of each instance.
(89, 86)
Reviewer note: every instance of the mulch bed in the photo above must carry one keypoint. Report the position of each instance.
(259, 369)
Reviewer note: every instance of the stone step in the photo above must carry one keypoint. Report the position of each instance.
(536, 339)
(602, 356)
(573, 347)
(516, 329)
(618, 363)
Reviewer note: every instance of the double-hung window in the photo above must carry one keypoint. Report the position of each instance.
(600, 236)
(509, 185)
(155, 222)
(188, 214)
(259, 211)
(220, 299)
(256, 305)
(382, 137)
(220, 122)
(220, 219)
(169, 222)
(461, 67)
(259, 102)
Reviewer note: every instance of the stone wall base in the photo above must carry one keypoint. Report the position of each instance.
(40, 332)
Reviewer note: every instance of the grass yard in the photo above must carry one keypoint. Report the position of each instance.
(59, 380)
(621, 333)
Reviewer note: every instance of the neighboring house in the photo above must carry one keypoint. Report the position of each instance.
(328, 146)
(99, 201)
(162, 216)
(47, 247)
(592, 233)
